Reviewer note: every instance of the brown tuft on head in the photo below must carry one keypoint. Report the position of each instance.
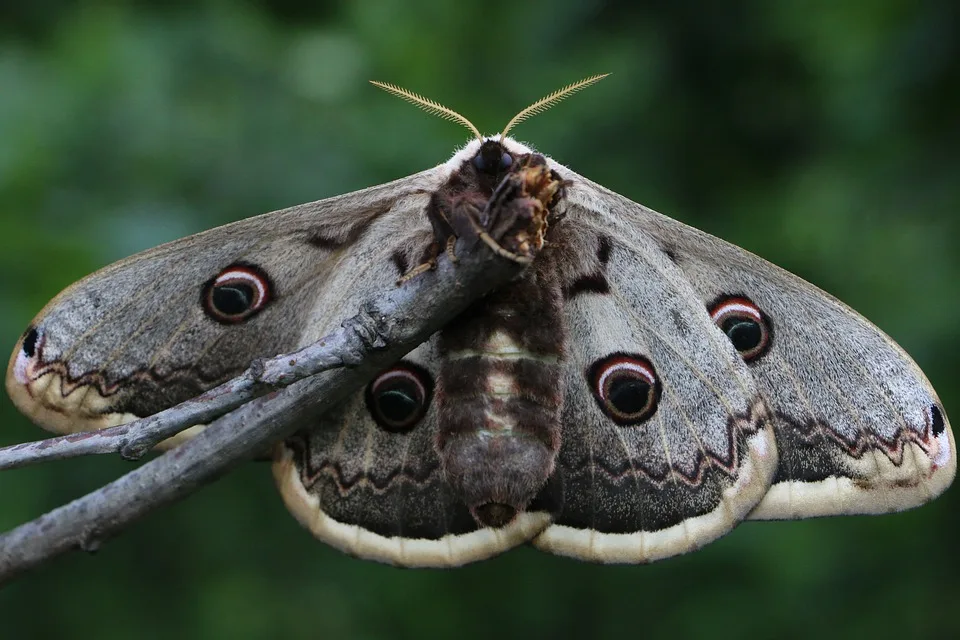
(494, 514)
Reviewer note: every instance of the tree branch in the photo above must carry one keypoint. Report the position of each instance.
(133, 439)
(314, 379)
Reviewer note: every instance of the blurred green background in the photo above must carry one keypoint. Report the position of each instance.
(822, 135)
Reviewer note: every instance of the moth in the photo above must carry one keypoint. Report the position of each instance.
(640, 389)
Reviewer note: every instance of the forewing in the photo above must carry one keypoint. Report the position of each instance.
(138, 336)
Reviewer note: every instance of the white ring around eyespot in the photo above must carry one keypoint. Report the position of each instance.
(404, 373)
(243, 274)
(733, 306)
(642, 369)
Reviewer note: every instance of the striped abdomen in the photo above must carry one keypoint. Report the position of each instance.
(499, 396)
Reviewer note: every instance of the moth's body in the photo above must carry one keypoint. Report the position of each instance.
(637, 392)
(499, 388)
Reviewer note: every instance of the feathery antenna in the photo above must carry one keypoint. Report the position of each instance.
(548, 101)
(428, 105)
(539, 106)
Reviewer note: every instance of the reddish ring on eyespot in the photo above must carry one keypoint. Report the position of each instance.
(626, 387)
(744, 323)
(399, 397)
(236, 294)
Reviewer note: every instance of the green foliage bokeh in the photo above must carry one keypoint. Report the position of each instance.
(821, 135)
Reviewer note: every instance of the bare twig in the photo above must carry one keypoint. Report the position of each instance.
(387, 327)
(134, 439)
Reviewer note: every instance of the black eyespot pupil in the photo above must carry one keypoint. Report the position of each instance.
(626, 388)
(30, 342)
(937, 421)
(398, 399)
(236, 294)
(233, 299)
(745, 334)
(629, 395)
(397, 405)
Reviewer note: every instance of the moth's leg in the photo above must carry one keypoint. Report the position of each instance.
(465, 210)
(451, 250)
(427, 265)
(466, 214)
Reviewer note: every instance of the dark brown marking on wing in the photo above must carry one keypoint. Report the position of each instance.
(603, 250)
(596, 280)
(329, 242)
(728, 462)
(625, 496)
(147, 391)
(400, 262)
(811, 451)
(397, 503)
(612, 504)
(321, 241)
(670, 251)
(591, 283)
(313, 466)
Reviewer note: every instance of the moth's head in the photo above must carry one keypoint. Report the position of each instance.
(492, 158)
(485, 165)
(486, 162)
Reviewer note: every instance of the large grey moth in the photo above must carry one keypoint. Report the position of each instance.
(637, 392)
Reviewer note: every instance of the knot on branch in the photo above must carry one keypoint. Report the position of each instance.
(369, 328)
(134, 448)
